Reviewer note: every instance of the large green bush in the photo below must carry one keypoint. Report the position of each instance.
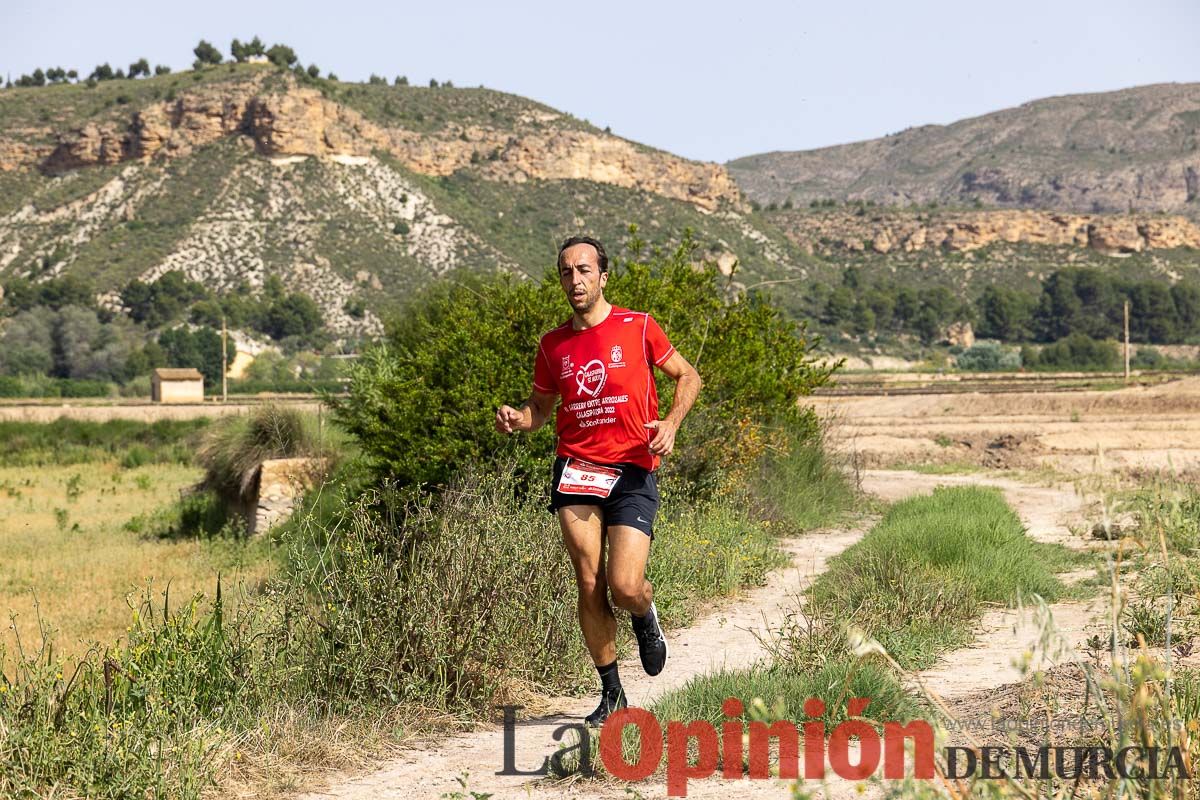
(988, 357)
(1077, 351)
(422, 404)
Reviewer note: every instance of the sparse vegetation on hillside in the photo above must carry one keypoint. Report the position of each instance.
(357, 239)
(1109, 151)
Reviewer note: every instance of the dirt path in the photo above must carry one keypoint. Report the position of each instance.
(731, 637)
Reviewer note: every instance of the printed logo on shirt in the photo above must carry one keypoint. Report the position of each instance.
(566, 368)
(590, 378)
(615, 356)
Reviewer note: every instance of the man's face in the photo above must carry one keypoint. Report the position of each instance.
(581, 278)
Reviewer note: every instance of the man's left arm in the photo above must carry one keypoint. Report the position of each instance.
(687, 386)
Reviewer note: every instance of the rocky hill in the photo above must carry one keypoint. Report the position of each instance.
(883, 230)
(1131, 150)
(968, 250)
(349, 192)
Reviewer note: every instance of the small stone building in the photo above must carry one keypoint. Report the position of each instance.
(177, 385)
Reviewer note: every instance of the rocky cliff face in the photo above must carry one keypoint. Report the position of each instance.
(301, 121)
(887, 231)
(1131, 150)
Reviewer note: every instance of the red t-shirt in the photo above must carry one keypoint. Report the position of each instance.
(606, 381)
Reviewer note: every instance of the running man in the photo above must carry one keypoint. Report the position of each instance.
(610, 440)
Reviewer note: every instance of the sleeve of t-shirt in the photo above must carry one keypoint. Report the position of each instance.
(543, 378)
(658, 349)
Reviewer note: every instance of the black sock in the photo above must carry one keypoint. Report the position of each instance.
(641, 618)
(609, 679)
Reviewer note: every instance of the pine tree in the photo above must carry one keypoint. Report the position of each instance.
(207, 54)
(281, 55)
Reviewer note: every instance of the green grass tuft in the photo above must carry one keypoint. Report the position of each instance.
(783, 691)
(917, 580)
(234, 447)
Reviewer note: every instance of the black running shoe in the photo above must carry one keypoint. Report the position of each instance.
(610, 700)
(652, 645)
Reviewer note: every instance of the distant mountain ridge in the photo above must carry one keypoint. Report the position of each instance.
(1136, 149)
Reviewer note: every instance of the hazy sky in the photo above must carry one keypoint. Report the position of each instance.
(708, 80)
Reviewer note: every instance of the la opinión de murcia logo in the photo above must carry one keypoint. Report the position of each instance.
(725, 750)
(822, 748)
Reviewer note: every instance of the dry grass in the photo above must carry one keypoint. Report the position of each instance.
(296, 748)
(66, 552)
(1176, 397)
(1075, 433)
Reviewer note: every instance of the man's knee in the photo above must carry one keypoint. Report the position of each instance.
(628, 593)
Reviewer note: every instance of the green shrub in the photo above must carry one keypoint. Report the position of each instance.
(480, 609)
(1147, 358)
(137, 387)
(1078, 352)
(72, 441)
(200, 513)
(45, 386)
(422, 404)
(798, 486)
(988, 357)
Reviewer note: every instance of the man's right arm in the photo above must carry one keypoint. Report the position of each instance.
(531, 415)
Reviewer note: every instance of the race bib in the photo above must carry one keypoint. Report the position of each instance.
(584, 477)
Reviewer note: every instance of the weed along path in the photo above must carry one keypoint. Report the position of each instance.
(731, 636)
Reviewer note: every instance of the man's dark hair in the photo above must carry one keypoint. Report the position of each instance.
(601, 256)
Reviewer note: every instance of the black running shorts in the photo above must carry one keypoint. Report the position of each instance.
(633, 500)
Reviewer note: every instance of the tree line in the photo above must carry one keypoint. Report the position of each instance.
(56, 327)
(206, 55)
(1069, 301)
